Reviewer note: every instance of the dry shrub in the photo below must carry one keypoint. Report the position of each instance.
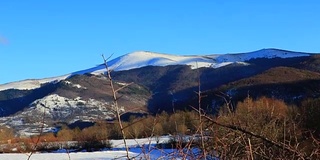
(6, 134)
(181, 122)
(65, 134)
(264, 116)
(97, 132)
(91, 139)
(261, 128)
(136, 127)
(310, 116)
(46, 137)
(158, 129)
(94, 138)
(115, 132)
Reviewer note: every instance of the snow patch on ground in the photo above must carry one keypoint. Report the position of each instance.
(74, 85)
(136, 149)
(139, 142)
(122, 84)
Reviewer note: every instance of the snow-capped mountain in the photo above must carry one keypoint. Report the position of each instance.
(159, 82)
(142, 58)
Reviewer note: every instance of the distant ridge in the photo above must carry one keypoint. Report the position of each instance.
(145, 58)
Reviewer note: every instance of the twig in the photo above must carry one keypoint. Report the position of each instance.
(39, 136)
(200, 114)
(115, 103)
(123, 87)
(250, 149)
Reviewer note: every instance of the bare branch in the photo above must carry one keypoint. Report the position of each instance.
(117, 90)
(115, 103)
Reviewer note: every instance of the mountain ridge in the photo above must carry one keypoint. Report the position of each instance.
(145, 58)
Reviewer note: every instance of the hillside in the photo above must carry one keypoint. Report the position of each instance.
(175, 85)
(277, 75)
(80, 98)
(312, 64)
(159, 82)
(286, 83)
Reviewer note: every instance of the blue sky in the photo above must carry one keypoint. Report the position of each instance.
(50, 38)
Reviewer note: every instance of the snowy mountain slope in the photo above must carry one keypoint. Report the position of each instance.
(142, 59)
(55, 105)
(31, 83)
(57, 108)
(84, 98)
(263, 53)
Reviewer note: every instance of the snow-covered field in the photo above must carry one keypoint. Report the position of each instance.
(101, 155)
(138, 149)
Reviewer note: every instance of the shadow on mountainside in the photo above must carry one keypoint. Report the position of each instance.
(290, 92)
(23, 98)
(174, 87)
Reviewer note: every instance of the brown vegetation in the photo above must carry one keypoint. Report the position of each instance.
(5, 134)
(277, 75)
(261, 129)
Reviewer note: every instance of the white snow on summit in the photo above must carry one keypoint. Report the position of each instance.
(142, 59)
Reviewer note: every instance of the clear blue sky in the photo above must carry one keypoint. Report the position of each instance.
(50, 38)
